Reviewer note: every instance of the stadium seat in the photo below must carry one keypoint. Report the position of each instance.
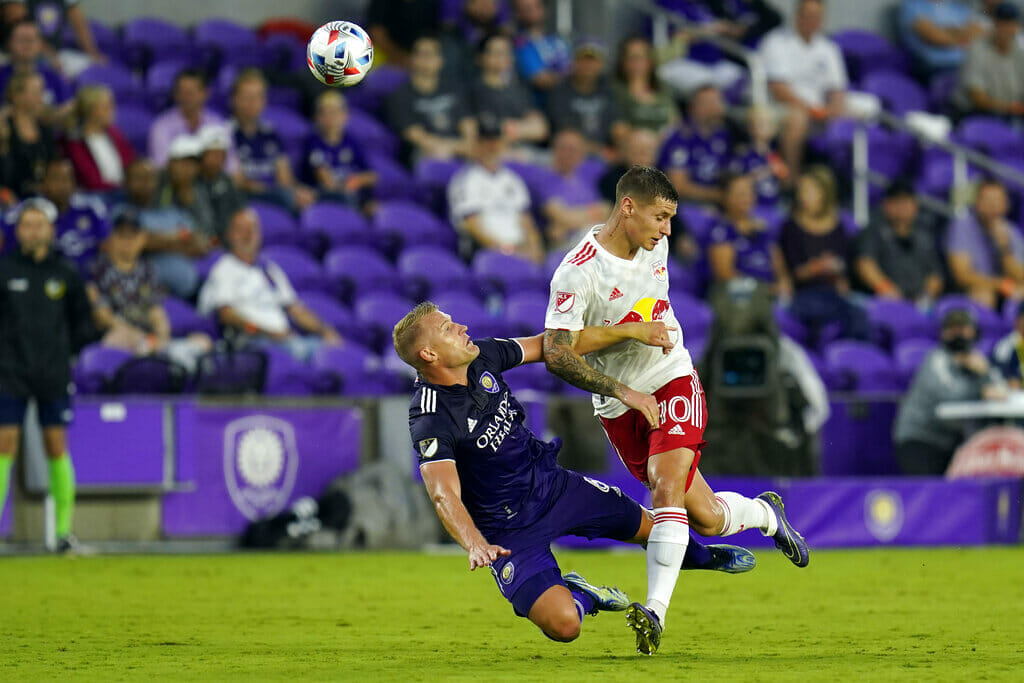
(96, 367)
(354, 371)
(370, 95)
(231, 372)
(908, 356)
(790, 326)
(331, 224)
(427, 271)
(990, 136)
(277, 225)
(371, 133)
(935, 177)
(533, 377)
(328, 309)
(148, 40)
(507, 273)
(287, 376)
(292, 127)
(403, 224)
(284, 52)
(206, 263)
(893, 321)
(866, 51)
(134, 121)
(940, 90)
(697, 220)
(160, 81)
(148, 375)
(432, 177)
(393, 179)
(301, 269)
(694, 315)
(222, 41)
(353, 271)
(899, 93)
(537, 178)
(184, 319)
(551, 263)
(466, 309)
(121, 81)
(863, 366)
(525, 312)
(377, 313)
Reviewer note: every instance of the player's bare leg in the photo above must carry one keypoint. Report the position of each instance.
(557, 615)
(720, 557)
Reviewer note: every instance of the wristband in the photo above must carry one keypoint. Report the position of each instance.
(1007, 287)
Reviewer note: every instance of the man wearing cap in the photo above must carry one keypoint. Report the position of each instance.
(895, 257)
(955, 371)
(585, 102)
(214, 183)
(992, 79)
(489, 203)
(44, 318)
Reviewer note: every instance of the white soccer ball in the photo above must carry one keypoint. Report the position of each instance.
(339, 53)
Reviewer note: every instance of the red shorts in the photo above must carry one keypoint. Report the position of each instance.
(684, 414)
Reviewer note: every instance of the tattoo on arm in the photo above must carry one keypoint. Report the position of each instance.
(563, 361)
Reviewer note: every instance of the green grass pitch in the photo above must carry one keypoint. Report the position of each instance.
(912, 614)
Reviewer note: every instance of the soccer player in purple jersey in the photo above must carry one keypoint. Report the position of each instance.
(498, 489)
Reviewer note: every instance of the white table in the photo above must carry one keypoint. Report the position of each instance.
(1011, 407)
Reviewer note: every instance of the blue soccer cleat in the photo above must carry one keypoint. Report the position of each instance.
(791, 543)
(647, 627)
(606, 598)
(731, 559)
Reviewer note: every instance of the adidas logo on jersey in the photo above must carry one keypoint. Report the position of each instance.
(677, 430)
(471, 423)
(616, 294)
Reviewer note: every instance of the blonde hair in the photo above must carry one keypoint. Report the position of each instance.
(407, 332)
(18, 83)
(826, 182)
(331, 97)
(86, 100)
(247, 75)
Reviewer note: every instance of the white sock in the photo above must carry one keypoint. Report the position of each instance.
(742, 513)
(666, 547)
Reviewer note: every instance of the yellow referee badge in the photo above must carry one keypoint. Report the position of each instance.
(54, 288)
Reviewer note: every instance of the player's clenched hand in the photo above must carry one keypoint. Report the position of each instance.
(656, 334)
(645, 403)
(483, 555)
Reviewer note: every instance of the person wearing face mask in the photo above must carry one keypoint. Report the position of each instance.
(955, 371)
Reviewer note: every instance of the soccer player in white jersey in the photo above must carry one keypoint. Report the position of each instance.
(649, 401)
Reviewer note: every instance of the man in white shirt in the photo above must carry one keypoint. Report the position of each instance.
(650, 401)
(254, 296)
(806, 75)
(490, 203)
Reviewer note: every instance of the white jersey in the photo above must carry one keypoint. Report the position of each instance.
(592, 288)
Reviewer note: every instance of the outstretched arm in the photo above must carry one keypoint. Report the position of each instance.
(596, 338)
(562, 359)
(442, 482)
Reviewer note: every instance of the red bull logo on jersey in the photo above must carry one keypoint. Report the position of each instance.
(646, 310)
(659, 271)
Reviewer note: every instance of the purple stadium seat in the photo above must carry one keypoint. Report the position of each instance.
(507, 273)
(148, 375)
(466, 309)
(328, 309)
(867, 51)
(898, 92)
(96, 367)
(990, 323)
(551, 263)
(694, 315)
(888, 151)
(537, 178)
(302, 270)
(428, 271)
(205, 264)
(892, 322)
(231, 372)
(403, 224)
(353, 371)
(393, 180)
(990, 135)
(354, 271)
(377, 313)
(283, 51)
(371, 133)
(330, 224)
(909, 354)
(941, 88)
(222, 41)
(277, 225)
(160, 81)
(287, 376)
(698, 221)
(290, 125)
(185, 320)
(121, 81)
(936, 175)
(525, 312)
(134, 122)
(790, 326)
(148, 40)
(533, 376)
(432, 177)
(865, 367)
(370, 94)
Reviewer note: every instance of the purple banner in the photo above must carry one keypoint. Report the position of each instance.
(118, 443)
(250, 462)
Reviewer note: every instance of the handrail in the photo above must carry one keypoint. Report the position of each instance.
(664, 18)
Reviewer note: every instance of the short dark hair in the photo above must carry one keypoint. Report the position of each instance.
(990, 181)
(190, 73)
(645, 184)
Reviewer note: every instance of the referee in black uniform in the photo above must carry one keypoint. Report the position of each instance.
(45, 317)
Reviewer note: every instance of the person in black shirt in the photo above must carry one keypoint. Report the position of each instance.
(26, 143)
(395, 25)
(45, 317)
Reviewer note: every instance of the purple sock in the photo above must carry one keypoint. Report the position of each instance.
(697, 555)
(584, 601)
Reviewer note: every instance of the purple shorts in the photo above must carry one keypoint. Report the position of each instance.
(587, 508)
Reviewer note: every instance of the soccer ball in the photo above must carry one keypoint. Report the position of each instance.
(339, 53)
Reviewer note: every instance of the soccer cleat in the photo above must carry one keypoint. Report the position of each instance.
(647, 627)
(791, 543)
(606, 598)
(731, 559)
(69, 545)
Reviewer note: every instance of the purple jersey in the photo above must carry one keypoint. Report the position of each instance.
(749, 161)
(258, 153)
(753, 251)
(79, 231)
(703, 158)
(509, 477)
(342, 159)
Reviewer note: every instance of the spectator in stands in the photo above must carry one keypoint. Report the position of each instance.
(25, 54)
(992, 79)
(96, 148)
(642, 100)
(1009, 350)
(815, 247)
(741, 245)
(490, 204)
(937, 32)
(432, 117)
(806, 76)
(188, 115)
(394, 26)
(585, 102)
(924, 444)
(53, 16)
(128, 301)
(81, 222)
(264, 170)
(695, 155)
(685, 69)
(171, 239)
(542, 58)
(986, 252)
(571, 204)
(26, 143)
(758, 158)
(895, 257)
(253, 297)
(745, 21)
(496, 94)
(335, 162)
(461, 39)
(214, 182)
(180, 189)
(637, 148)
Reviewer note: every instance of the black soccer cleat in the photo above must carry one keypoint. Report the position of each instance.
(787, 539)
